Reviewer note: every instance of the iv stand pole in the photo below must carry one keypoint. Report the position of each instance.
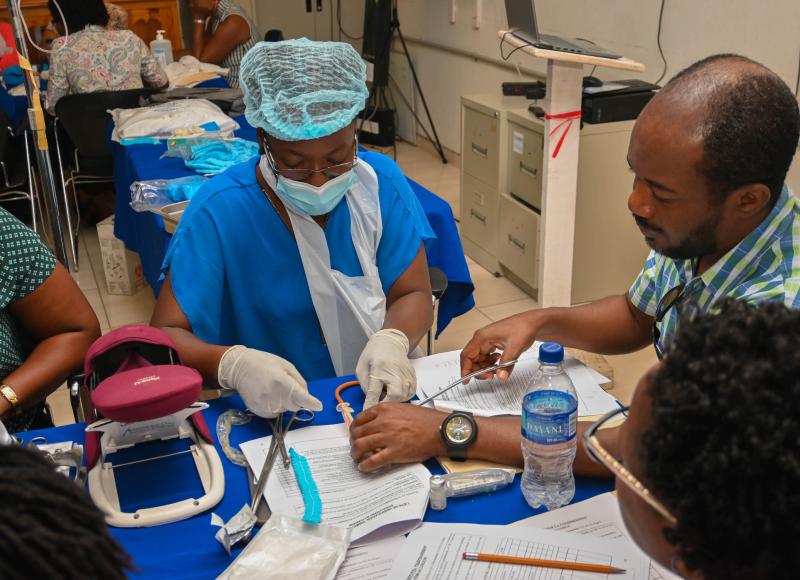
(38, 132)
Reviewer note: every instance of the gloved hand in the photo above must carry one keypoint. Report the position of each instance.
(267, 383)
(384, 363)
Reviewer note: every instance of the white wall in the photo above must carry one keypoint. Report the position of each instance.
(767, 31)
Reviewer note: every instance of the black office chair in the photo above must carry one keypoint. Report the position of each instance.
(438, 288)
(17, 182)
(83, 120)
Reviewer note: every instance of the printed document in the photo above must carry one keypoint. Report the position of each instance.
(434, 552)
(494, 397)
(598, 517)
(371, 562)
(375, 506)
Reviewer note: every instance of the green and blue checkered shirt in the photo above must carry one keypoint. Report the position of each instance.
(764, 266)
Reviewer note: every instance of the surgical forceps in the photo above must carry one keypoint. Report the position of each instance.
(277, 445)
(467, 378)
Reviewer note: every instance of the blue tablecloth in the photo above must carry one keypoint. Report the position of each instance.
(188, 549)
(144, 232)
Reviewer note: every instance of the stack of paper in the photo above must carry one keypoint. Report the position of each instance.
(597, 517)
(375, 506)
(434, 552)
(495, 397)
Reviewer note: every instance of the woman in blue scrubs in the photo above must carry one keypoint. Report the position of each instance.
(307, 262)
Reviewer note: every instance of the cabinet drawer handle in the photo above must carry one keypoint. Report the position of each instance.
(478, 216)
(516, 242)
(530, 172)
(480, 151)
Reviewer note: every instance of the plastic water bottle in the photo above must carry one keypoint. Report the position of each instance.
(549, 425)
(161, 48)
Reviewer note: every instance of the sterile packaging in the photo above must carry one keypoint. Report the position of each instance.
(124, 274)
(155, 193)
(209, 154)
(287, 549)
(186, 117)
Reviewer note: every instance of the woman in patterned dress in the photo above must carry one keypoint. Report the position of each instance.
(221, 34)
(94, 58)
(46, 325)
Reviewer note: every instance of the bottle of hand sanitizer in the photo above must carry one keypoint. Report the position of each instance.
(161, 48)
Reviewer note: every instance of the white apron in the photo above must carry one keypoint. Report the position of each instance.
(350, 308)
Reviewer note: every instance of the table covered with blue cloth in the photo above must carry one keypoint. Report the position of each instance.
(187, 549)
(144, 232)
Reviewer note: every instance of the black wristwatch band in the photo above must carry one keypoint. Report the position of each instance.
(458, 451)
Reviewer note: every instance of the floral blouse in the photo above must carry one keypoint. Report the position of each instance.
(96, 59)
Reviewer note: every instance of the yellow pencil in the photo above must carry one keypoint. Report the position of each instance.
(501, 559)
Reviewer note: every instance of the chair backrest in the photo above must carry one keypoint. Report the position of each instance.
(85, 117)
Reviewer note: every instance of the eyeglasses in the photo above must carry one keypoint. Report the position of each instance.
(599, 454)
(668, 300)
(297, 174)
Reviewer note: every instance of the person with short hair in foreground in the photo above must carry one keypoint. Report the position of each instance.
(49, 528)
(713, 436)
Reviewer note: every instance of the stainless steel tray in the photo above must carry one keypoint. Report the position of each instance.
(172, 214)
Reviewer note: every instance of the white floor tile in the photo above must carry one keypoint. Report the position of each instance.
(491, 290)
(61, 408)
(123, 310)
(501, 311)
(460, 331)
(93, 296)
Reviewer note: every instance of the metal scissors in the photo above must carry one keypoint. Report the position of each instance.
(277, 445)
(467, 378)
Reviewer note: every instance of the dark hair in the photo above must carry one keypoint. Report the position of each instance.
(751, 126)
(49, 528)
(79, 13)
(723, 447)
(273, 35)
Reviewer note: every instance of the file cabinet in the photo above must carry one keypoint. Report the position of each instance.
(500, 210)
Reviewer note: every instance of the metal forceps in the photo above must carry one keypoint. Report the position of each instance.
(277, 445)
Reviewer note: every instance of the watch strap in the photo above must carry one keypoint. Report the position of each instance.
(458, 452)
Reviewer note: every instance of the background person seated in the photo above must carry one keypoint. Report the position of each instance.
(46, 325)
(222, 34)
(94, 58)
(713, 433)
(49, 528)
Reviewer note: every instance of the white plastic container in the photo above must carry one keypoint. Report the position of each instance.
(161, 48)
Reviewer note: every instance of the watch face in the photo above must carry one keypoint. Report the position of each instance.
(458, 429)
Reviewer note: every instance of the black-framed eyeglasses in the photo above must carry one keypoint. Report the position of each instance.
(672, 298)
(302, 174)
(598, 453)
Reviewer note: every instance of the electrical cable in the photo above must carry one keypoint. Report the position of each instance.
(28, 32)
(339, 21)
(507, 56)
(658, 41)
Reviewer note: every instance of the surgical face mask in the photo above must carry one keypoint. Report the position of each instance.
(306, 198)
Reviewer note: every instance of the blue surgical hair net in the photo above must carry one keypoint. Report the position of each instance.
(302, 89)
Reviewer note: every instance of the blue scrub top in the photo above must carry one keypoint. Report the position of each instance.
(236, 271)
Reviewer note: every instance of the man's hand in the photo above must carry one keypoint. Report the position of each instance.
(392, 433)
(512, 335)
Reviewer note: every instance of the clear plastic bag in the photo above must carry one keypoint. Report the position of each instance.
(156, 193)
(288, 549)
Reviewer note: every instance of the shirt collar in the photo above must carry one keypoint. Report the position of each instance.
(756, 242)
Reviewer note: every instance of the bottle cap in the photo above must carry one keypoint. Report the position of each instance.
(551, 353)
(160, 34)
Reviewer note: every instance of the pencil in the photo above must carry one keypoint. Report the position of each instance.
(583, 567)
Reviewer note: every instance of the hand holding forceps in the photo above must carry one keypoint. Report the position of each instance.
(278, 445)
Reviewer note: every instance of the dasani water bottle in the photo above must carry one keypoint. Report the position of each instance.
(549, 424)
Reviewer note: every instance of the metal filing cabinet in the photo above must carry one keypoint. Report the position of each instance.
(500, 208)
(483, 175)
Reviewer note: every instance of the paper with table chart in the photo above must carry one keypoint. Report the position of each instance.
(434, 552)
(494, 397)
(598, 517)
(371, 562)
(376, 506)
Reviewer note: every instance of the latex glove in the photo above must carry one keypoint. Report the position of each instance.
(384, 363)
(267, 383)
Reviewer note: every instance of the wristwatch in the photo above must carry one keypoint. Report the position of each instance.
(458, 430)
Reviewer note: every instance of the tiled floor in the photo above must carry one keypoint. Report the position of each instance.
(495, 297)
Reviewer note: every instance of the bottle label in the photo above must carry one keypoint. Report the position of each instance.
(549, 417)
